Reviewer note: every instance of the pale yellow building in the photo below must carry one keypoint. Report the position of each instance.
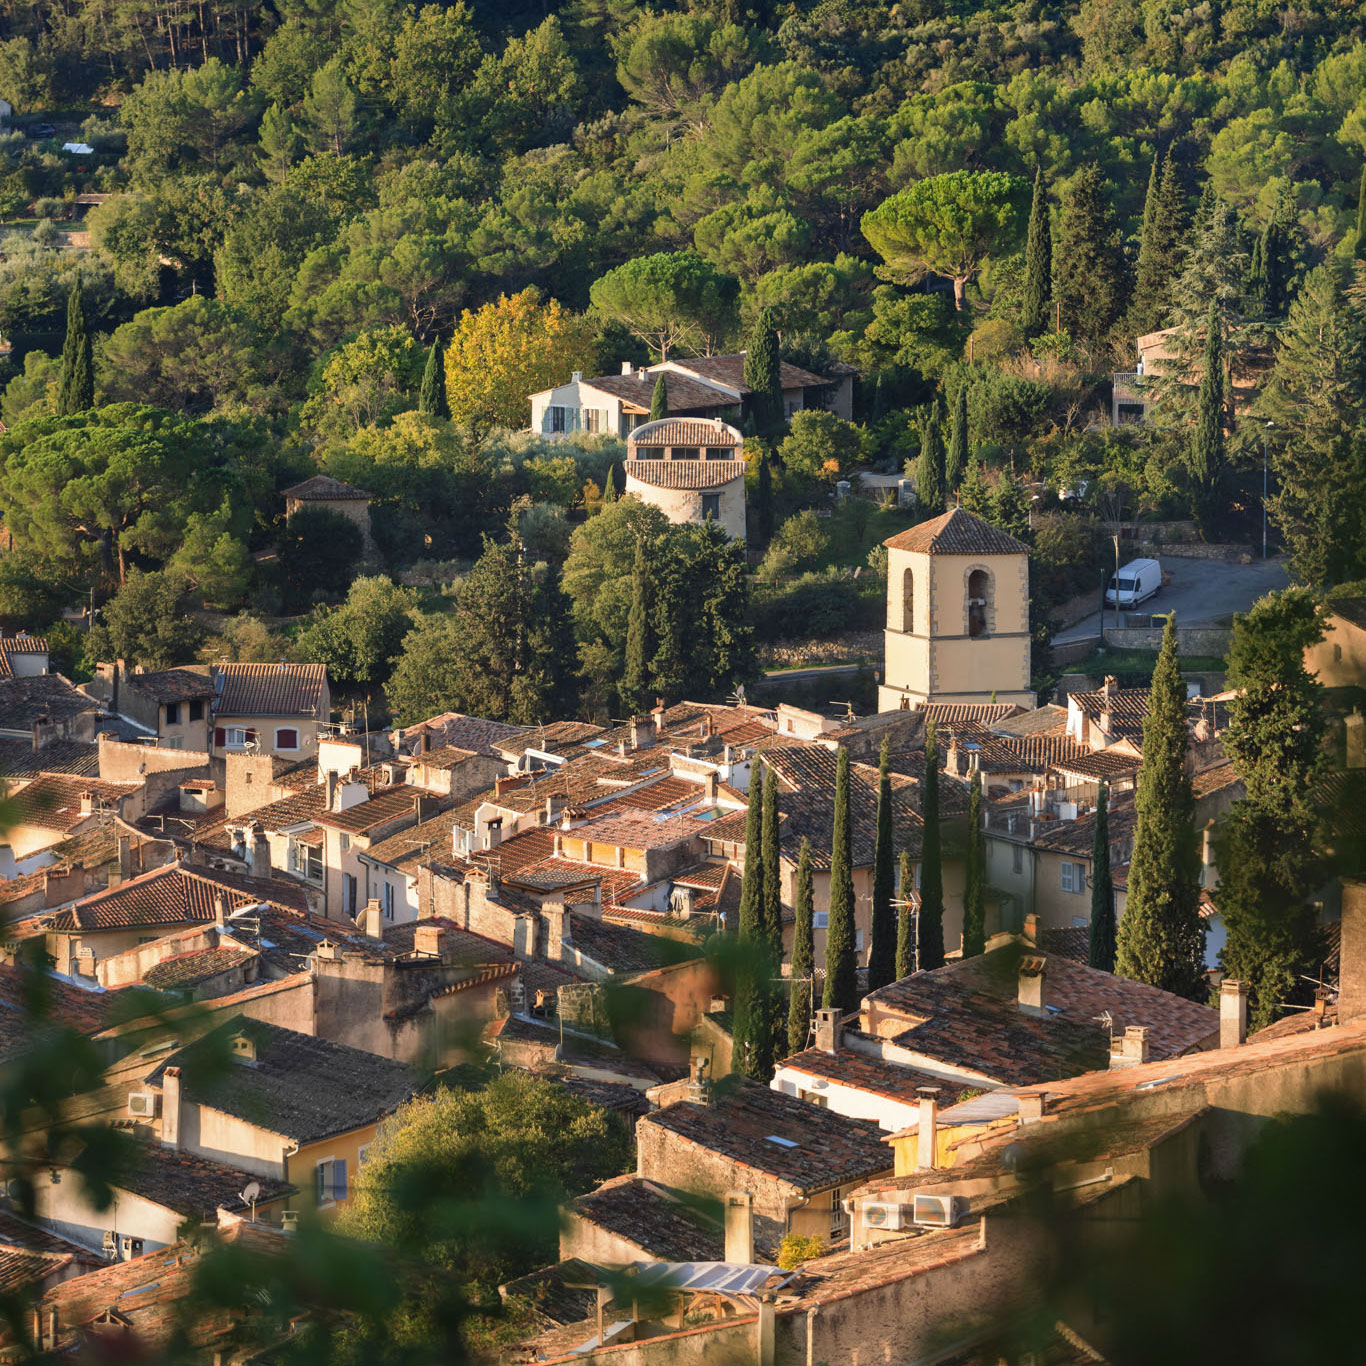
(957, 615)
(692, 470)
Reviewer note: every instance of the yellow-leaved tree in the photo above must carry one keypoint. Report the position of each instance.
(508, 349)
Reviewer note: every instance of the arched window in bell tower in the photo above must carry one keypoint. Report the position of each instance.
(979, 602)
(908, 602)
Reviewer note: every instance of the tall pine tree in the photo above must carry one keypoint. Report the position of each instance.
(1102, 930)
(1090, 277)
(1207, 462)
(753, 1030)
(76, 393)
(431, 399)
(841, 965)
(763, 377)
(974, 886)
(1269, 844)
(1161, 938)
(882, 939)
(931, 953)
(905, 918)
(635, 678)
(1361, 217)
(1038, 281)
(929, 466)
(1160, 250)
(803, 955)
(956, 461)
(659, 400)
(773, 891)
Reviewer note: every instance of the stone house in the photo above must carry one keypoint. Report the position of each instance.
(322, 491)
(270, 708)
(52, 808)
(173, 705)
(692, 471)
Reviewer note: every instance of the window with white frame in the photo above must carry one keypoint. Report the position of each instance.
(1073, 876)
(286, 737)
(305, 861)
(558, 417)
(593, 419)
(388, 900)
(331, 1180)
(820, 920)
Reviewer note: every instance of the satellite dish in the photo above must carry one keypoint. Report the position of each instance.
(252, 1193)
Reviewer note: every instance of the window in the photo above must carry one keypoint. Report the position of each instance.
(858, 941)
(234, 737)
(362, 1154)
(814, 1098)
(685, 452)
(820, 920)
(839, 1221)
(331, 1180)
(173, 713)
(1016, 858)
(979, 595)
(711, 507)
(720, 453)
(388, 900)
(1073, 876)
(592, 419)
(306, 862)
(287, 737)
(196, 711)
(908, 602)
(344, 840)
(173, 742)
(556, 415)
(349, 895)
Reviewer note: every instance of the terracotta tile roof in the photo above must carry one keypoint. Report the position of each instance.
(409, 848)
(191, 1186)
(287, 812)
(20, 1269)
(53, 801)
(652, 1218)
(446, 757)
(185, 969)
(821, 1148)
(864, 1072)
(174, 895)
(1070, 942)
(464, 945)
(323, 488)
(386, 805)
(632, 829)
(730, 370)
(574, 1051)
(1078, 837)
(1046, 720)
(957, 532)
(281, 689)
(622, 950)
(24, 700)
(523, 850)
(684, 431)
(1099, 764)
(171, 685)
(1352, 608)
(18, 758)
(952, 714)
(1215, 779)
(550, 1294)
(298, 1086)
(24, 644)
(85, 1009)
(464, 732)
(685, 474)
(553, 738)
(682, 393)
(1007, 754)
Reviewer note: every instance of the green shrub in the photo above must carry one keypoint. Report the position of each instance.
(797, 1248)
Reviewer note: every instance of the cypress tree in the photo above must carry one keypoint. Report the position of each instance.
(753, 1034)
(905, 920)
(1038, 280)
(772, 902)
(803, 956)
(762, 508)
(635, 680)
(1102, 934)
(1204, 210)
(882, 940)
(974, 889)
(931, 866)
(1271, 269)
(1161, 939)
(841, 981)
(1160, 250)
(77, 391)
(973, 493)
(956, 462)
(609, 488)
(1090, 277)
(1207, 459)
(763, 376)
(431, 400)
(929, 467)
(659, 400)
(1361, 216)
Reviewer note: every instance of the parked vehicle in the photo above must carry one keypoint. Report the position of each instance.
(1136, 582)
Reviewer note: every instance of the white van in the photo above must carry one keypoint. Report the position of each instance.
(1136, 582)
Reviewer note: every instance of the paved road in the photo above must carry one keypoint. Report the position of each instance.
(816, 670)
(1201, 593)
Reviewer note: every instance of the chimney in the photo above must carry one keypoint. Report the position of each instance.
(557, 929)
(1031, 929)
(739, 1227)
(626, 367)
(170, 1108)
(1130, 1048)
(424, 742)
(1352, 954)
(1032, 1107)
(429, 939)
(494, 831)
(258, 852)
(657, 714)
(44, 731)
(642, 731)
(120, 668)
(87, 803)
(1109, 688)
(220, 913)
(1232, 1013)
(1321, 1006)
(1033, 970)
(507, 782)
(927, 1129)
(372, 920)
(331, 780)
(711, 787)
(699, 1088)
(125, 857)
(829, 1030)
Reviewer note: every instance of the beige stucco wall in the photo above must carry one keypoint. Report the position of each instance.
(935, 659)
(1339, 659)
(684, 506)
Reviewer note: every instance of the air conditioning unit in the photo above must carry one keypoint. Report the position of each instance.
(884, 1214)
(938, 1211)
(142, 1104)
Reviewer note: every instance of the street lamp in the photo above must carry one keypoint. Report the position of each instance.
(1265, 436)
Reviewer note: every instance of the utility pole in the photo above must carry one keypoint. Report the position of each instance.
(1266, 432)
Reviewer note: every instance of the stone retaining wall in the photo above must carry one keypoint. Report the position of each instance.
(1192, 640)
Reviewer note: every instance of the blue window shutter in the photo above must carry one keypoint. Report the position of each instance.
(339, 1179)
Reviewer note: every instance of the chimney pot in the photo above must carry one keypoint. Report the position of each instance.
(1232, 1013)
(927, 1127)
(1032, 1107)
(372, 920)
(429, 939)
(170, 1107)
(699, 1087)
(1032, 994)
(739, 1227)
(829, 1030)
(1321, 996)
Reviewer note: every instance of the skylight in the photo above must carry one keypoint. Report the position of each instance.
(782, 1142)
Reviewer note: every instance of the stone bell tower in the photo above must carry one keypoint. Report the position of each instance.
(957, 615)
